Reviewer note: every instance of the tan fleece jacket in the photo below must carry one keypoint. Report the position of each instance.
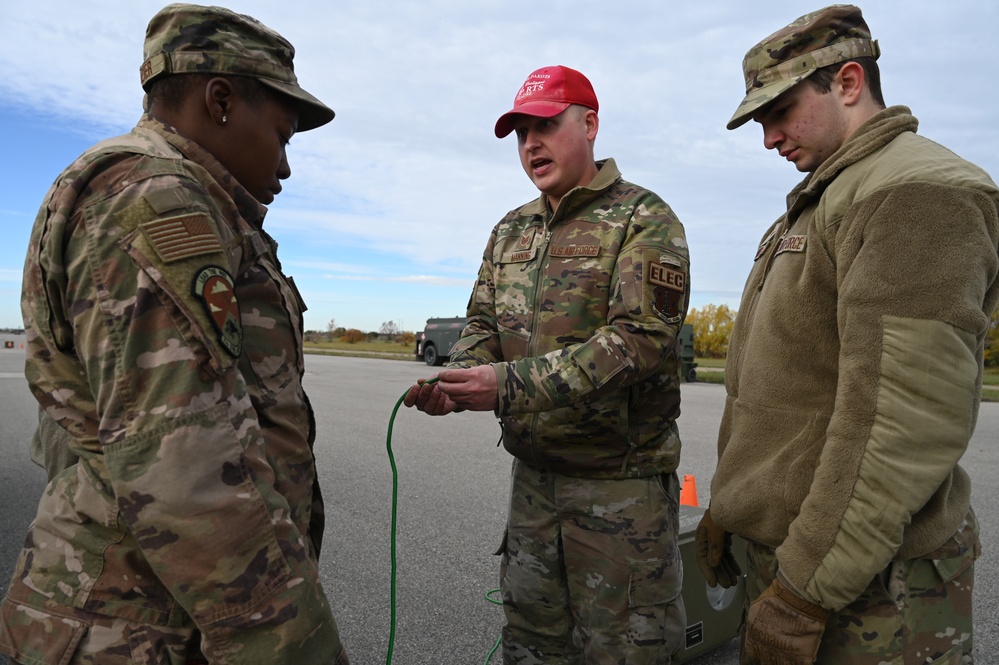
(855, 365)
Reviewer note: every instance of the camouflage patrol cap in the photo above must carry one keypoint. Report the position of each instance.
(192, 39)
(826, 37)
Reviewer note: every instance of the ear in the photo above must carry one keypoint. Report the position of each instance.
(592, 124)
(851, 81)
(219, 96)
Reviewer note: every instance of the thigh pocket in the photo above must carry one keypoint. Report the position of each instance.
(953, 657)
(950, 569)
(163, 645)
(35, 637)
(655, 582)
(956, 556)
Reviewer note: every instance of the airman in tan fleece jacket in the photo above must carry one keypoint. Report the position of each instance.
(854, 370)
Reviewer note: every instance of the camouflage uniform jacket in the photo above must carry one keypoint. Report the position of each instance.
(164, 337)
(578, 310)
(855, 366)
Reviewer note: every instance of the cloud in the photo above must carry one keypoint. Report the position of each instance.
(409, 175)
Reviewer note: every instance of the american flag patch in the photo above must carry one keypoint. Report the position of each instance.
(176, 238)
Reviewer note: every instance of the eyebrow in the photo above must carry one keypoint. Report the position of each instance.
(766, 108)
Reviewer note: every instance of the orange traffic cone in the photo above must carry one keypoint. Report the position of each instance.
(688, 491)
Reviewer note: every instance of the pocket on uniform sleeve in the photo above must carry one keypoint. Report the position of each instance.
(656, 285)
(35, 637)
(199, 293)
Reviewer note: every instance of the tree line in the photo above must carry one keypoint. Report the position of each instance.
(712, 330)
(388, 331)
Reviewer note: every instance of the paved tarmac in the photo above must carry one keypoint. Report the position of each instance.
(453, 484)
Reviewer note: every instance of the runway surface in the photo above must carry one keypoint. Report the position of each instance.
(453, 484)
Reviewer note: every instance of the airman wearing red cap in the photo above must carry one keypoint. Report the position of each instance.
(570, 341)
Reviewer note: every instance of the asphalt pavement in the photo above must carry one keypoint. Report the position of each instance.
(452, 492)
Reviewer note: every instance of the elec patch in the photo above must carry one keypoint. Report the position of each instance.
(669, 289)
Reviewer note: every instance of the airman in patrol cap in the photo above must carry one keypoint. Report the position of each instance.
(854, 372)
(189, 530)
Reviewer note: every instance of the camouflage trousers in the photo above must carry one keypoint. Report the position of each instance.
(915, 611)
(109, 641)
(591, 570)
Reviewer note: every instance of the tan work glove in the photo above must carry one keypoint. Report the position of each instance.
(783, 628)
(713, 546)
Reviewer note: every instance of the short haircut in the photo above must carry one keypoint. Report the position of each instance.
(823, 77)
(169, 92)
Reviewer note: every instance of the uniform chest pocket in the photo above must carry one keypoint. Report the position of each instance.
(577, 278)
(578, 271)
(515, 279)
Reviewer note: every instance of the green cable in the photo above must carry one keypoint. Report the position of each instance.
(395, 504)
(499, 640)
(392, 546)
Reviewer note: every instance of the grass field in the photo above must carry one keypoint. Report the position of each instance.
(709, 370)
(990, 387)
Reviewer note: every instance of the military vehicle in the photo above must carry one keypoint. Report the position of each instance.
(688, 368)
(440, 334)
(437, 338)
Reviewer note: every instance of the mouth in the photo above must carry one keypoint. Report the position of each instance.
(540, 165)
(266, 196)
(789, 155)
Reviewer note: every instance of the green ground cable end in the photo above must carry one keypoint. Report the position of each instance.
(395, 511)
(392, 541)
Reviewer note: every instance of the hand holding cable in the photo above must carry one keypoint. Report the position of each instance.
(472, 388)
(427, 396)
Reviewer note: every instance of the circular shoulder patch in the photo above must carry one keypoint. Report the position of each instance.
(215, 287)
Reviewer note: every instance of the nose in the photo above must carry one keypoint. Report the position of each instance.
(772, 137)
(284, 169)
(530, 139)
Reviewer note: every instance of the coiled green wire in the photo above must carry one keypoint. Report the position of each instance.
(392, 546)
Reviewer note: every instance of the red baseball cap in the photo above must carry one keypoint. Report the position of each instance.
(546, 93)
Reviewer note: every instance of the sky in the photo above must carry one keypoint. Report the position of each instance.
(390, 205)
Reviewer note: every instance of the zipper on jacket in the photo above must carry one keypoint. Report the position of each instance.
(633, 435)
(532, 350)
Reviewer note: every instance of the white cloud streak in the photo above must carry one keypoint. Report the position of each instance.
(410, 166)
